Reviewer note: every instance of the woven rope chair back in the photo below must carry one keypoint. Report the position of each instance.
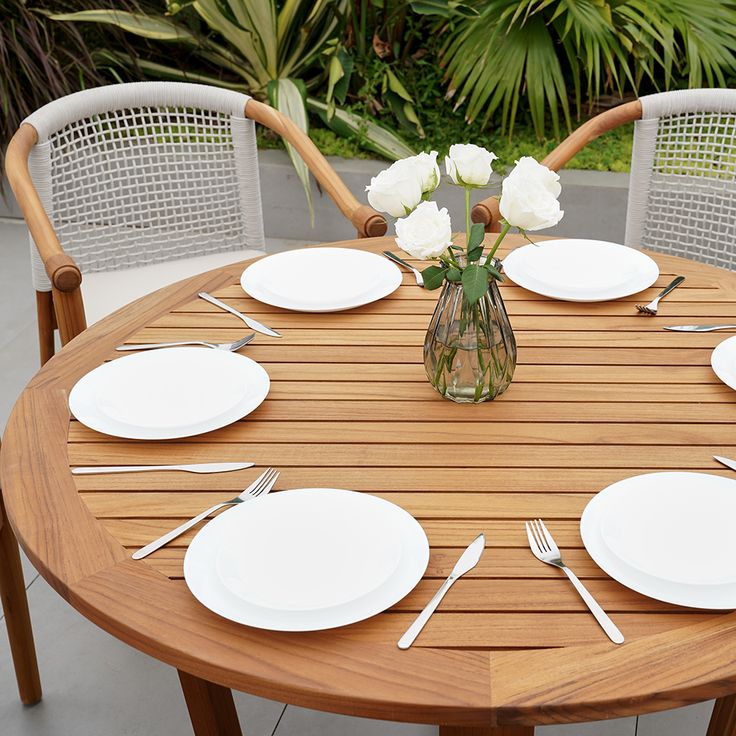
(682, 193)
(140, 173)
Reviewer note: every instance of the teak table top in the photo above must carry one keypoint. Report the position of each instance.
(600, 393)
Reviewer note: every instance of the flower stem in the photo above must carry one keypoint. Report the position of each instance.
(504, 230)
(467, 217)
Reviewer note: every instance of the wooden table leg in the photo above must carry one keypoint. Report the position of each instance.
(211, 707)
(487, 731)
(723, 720)
(17, 617)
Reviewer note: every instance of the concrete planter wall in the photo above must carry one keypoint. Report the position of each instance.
(594, 202)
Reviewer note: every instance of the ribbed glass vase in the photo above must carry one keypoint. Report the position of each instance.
(470, 351)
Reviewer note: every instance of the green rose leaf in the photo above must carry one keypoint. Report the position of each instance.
(495, 273)
(434, 277)
(475, 253)
(477, 233)
(454, 274)
(475, 282)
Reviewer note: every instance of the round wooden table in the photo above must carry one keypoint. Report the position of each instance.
(600, 393)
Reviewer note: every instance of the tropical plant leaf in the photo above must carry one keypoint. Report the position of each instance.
(147, 26)
(119, 58)
(548, 50)
(287, 97)
(370, 135)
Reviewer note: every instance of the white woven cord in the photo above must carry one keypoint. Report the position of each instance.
(149, 183)
(682, 198)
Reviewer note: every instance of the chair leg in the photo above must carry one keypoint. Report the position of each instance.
(487, 731)
(46, 324)
(17, 616)
(211, 707)
(723, 720)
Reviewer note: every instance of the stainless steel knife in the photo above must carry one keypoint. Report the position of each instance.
(699, 328)
(196, 468)
(252, 323)
(725, 461)
(468, 560)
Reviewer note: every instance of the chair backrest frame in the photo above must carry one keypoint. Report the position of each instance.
(683, 226)
(146, 172)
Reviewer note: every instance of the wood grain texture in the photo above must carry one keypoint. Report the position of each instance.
(600, 394)
(17, 615)
(211, 707)
(723, 719)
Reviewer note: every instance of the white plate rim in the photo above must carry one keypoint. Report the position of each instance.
(83, 405)
(253, 269)
(717, 597)
(199, 562)
(512, 270)
(719, 362)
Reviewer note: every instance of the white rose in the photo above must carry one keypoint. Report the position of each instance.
(426, 232)
(469, 165)
(529, 196)
(396, 190)
(424, 166)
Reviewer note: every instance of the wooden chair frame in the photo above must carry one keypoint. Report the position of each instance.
(486, 211)
(63, 308)
(17, 615)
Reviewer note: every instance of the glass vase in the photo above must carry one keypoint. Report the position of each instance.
(470, 351)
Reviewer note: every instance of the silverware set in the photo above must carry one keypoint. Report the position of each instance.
(228, 346)
(545, 549)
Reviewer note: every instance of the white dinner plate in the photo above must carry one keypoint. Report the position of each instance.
(306, 559)
(723, 361)
(168, 393)
(321, 279)
(666, 536)
(581, 270)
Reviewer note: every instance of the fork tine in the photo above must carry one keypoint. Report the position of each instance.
(549, 538)
(532, 540)
(263, 482)
(267, 483)
(271, 483)
(539, 536)
(257, 482)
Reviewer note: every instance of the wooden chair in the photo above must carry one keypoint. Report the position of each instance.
(133, 175)
(17, 617)
(682, 191)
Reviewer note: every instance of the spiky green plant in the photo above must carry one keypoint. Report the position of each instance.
(553, 53)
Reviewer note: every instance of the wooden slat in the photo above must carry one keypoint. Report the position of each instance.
(397, 455)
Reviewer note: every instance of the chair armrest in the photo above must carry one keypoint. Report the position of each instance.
(366, 220)
(486, 211)
(62, 271)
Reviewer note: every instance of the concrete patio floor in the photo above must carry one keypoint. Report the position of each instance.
(97, 686)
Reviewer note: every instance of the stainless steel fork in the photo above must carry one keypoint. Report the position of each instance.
(651, 308)
(262, 484)
(544, 548)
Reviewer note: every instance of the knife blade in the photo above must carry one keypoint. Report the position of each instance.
(725, 461)
(699, 328)
(468, 560)
(195, 468)
(252, 323)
